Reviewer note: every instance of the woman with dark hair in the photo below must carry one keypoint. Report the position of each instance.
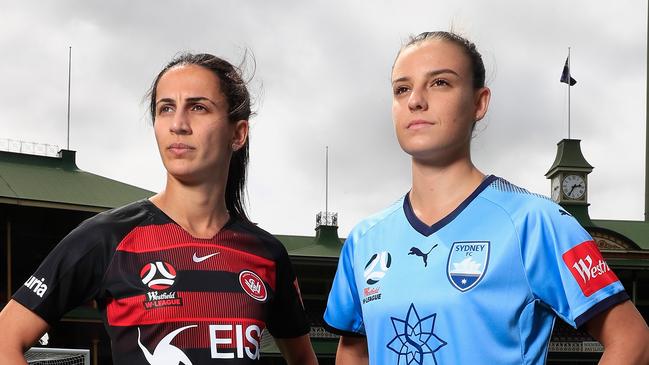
(467, 268)
(182, 277)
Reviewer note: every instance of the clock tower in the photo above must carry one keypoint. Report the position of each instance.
(569, 180)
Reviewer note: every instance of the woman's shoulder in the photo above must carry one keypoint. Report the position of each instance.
(100, 234)
(515, 199)
(137, 210)
(370, 222)
(270, 243)
(113, 221)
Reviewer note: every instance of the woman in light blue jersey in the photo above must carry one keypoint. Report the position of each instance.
(466, 267)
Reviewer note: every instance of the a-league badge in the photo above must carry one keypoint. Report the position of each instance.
(467, 263)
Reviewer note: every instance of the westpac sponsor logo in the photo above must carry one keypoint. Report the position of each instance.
(467, 264)
(588, 267)
(155, 299)
(587, 271)
(37, 286)
(252, 284)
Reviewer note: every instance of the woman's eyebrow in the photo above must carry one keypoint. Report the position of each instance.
(196, 99)
(429, 74)
(442, 71)
(165, 100)
(193, 99)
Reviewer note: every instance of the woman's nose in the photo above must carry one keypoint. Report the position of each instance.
(417, 100)
(180, 124)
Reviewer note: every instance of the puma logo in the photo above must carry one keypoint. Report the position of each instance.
(424, 256)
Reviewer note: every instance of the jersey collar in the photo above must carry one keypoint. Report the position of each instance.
(427, 230)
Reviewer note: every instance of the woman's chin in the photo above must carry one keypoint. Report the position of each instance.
(419, 152)
(184, 176)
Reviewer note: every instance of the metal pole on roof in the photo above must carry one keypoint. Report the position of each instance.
(327, 184)
(69, 82)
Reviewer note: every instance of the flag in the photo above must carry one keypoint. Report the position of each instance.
(565, 75)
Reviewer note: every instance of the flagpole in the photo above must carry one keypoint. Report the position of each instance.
(646, 147)
(569, 82)
(69, 79)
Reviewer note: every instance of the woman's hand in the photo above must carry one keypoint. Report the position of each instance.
(352, 351)
(20, 329)
(623, 333)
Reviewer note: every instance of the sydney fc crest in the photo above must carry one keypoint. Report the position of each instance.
(467, 263)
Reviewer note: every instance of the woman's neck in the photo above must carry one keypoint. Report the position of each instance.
(199, 209)
(438, 190)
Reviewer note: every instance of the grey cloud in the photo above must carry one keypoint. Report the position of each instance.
(323, 79)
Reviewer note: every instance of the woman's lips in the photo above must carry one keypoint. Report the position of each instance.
(419, 123)
(179, 148)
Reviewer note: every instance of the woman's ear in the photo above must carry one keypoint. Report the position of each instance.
(481, 100)
(240, 134)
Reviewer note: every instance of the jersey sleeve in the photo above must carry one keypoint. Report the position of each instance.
(343, 314)
(69, 276)
(565, 269)
(287, 317)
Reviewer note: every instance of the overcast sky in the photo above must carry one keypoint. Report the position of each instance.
(322, 79)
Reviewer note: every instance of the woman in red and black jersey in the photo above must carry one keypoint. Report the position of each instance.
(183, 277)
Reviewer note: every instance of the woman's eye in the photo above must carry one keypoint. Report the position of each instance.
(400, 90)
(439, 82)
(198, 107)
(165, 109)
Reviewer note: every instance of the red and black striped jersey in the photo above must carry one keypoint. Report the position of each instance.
(168, 297)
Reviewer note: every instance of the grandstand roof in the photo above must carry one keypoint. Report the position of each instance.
(636, 231)
(325, 244)
(57, 182)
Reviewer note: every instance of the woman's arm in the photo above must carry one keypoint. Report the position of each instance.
(623, 333)
(297, 351)
(352, 351)
(20, 328)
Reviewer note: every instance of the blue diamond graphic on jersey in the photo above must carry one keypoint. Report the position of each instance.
(467, 264)
(414, 340)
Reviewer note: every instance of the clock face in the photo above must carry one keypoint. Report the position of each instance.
(556, 189)
(574, 186)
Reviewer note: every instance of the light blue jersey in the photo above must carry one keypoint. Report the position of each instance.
(482, 286)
